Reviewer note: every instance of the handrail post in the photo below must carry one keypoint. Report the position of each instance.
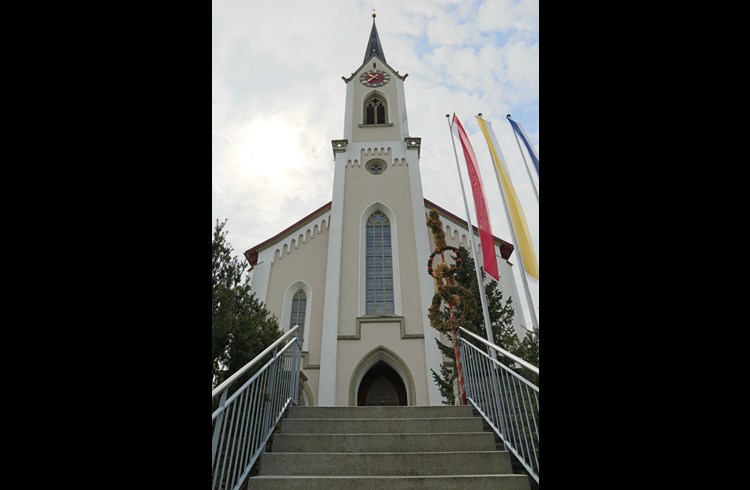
(301, 387)
(468, 383)
(498, 393)
(296, 398)
(295, 392)
(217, 427)
(271, 386)
(499, 396)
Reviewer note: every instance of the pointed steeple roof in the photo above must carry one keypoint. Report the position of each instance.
(373, 44)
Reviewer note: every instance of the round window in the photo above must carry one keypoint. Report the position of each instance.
(375, 167)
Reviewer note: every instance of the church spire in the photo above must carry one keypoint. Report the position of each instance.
(373, 44)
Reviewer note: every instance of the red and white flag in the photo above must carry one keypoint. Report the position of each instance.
(480, 203)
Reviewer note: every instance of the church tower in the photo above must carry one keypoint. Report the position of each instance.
(353, 273)
(377, 281)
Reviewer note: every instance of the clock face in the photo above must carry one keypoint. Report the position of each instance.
(374, 78)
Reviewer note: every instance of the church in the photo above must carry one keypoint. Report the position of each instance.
(353, 273)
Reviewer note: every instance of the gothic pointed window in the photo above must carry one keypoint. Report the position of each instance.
(379, 264)
(375, 110)
(299, 304)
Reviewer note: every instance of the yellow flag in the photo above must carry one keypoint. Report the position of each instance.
(515, 211)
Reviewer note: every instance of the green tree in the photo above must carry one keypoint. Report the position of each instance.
(470, 316)
(241, 326)
(528, 350)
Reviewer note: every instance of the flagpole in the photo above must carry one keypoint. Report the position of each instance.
(480, 281)
(491, 353)
(533, 185)
(534, 320)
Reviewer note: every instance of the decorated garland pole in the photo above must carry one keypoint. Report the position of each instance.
(447, 291)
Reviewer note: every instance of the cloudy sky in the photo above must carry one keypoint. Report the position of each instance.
(278, 101)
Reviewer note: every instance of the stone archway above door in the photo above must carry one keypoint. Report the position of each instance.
(393, 361)
(381, 386)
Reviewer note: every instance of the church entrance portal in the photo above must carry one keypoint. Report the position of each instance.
(381, 386)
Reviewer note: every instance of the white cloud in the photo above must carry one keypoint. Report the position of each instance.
(509, 15)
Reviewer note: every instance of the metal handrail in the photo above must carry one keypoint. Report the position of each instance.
(502, 351)
(227, 382)
(243, 422)
(508, 402)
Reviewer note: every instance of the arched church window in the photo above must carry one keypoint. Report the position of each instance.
(375, 110)
(379, 264)
(299, 304)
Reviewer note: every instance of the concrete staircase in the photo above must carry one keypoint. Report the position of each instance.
(392, 448)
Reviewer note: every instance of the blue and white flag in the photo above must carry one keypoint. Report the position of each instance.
(520, 132)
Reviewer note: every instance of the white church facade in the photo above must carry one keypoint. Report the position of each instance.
(353, 273)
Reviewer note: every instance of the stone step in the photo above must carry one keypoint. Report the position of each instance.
(462, 482)
(386, 464)
(379, 412)
(373, 443)
(380, 425)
